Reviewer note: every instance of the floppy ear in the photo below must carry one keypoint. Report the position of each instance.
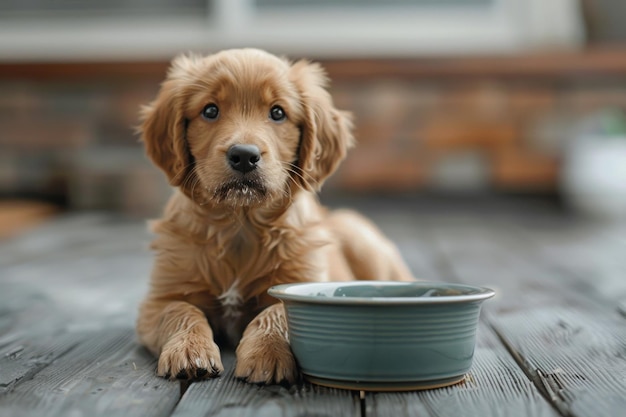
(326, 133)
(163, 124)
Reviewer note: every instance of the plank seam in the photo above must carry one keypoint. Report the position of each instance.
(184, 386)
(362, 405)
(39, 366)
(621, 308)
(538, 378)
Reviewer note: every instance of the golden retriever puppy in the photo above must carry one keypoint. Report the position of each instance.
(247, 139)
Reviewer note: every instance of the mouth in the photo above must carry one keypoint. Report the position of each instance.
(242, 192)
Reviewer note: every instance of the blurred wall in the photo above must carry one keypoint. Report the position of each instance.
(67, 135)
(455, 124)
(475, 124)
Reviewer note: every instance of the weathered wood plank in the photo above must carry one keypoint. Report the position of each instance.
(69, 299)
(576, 358)
(25, 310)
(32, 333)
(35, 322)
(106, 374)
(89, 270)
(591, 255)
(73, 235)
(86, 276)
(228, 397)
(495, 386)
(22, 359)
(570, 345)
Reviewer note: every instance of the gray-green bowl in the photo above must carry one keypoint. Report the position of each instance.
(382, 335)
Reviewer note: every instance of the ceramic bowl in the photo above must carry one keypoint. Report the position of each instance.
(382, 335)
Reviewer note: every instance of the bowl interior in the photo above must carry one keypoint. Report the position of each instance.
(380, 292)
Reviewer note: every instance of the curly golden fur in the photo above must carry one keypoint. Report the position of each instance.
(226, 236)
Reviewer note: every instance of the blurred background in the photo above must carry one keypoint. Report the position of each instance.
(465, 99)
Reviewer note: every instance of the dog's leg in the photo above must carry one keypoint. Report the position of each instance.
(263, 354)
(179, 334)
(369, 253)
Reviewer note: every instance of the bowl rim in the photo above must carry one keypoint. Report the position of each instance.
(479, 293)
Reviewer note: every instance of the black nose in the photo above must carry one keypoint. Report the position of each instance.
(243, 158)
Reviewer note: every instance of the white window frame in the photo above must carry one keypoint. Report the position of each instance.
(507, 26)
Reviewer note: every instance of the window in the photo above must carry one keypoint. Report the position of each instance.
(156, 29)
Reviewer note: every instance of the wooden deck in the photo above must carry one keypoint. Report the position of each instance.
(552, 342)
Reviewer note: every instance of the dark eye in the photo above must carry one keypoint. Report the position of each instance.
(277, 114)
(210, 112)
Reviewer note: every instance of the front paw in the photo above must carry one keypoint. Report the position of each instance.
(265, 359)
(190, 357)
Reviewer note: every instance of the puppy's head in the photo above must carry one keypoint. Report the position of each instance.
(244, 128)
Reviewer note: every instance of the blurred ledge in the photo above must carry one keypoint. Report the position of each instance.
(17, 216)
(598, 60)
(551, 64)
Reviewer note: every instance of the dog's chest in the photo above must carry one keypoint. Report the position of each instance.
(231, 302)
(239, 276)
(238, 307)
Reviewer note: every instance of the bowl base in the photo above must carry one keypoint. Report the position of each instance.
(385, 386)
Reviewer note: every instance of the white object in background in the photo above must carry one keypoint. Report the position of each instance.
(594, 176)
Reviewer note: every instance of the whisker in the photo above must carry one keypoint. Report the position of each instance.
(183, 170)
(305, 176)
(191, 179)
(193, 189)
(286, 192)
(196, 179)
(297, 185)
(316, 183)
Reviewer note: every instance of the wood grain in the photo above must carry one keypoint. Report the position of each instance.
(74, 236)
(495, 386)
(70, 294)
(22, 359)
(85, 271)
(592, 255)
(571, 346)
(105, 374)
(553, 341)
(228, 397)
(576, 359)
